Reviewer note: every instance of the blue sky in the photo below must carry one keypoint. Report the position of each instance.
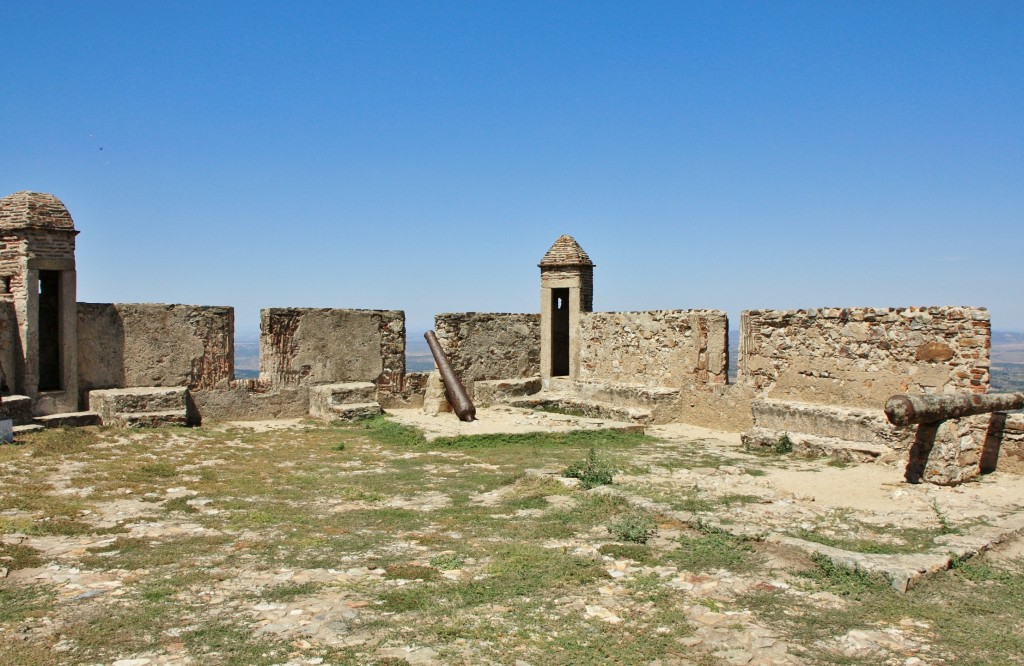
(424, 156)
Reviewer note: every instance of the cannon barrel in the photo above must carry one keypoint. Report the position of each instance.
(457, 395)
(907, 409)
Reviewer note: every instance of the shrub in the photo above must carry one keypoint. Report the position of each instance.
(591, 472)
(634, 527)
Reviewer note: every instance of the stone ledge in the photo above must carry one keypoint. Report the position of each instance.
(355, 411)
(495, 391)
(69, 420)
(814, 445)
(156, 419)
(588, 408)
(845, 423)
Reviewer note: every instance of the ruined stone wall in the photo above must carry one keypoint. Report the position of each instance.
(124, 345)
(486, 345)
(859, 357)
(673, 348)
(306, 346)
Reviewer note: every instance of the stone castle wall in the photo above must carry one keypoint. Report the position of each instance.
(307, 346)
(673, 348)
(485, 345)
(859, 357)
(124, 345)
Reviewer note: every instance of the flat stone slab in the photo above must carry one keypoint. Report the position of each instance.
(501, 419)
(69, 420)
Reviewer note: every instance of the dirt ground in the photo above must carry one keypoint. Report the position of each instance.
(415, 539)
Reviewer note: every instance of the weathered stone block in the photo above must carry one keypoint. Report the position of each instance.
(495, 391)
(141, 406)
(329, 401)
(310, 346)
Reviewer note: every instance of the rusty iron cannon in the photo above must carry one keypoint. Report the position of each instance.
(457, 395)
(929, 412)
(903, 410)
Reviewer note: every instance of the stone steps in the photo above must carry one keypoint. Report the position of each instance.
(30, 427)
(346, 401)
(69, 420)
(142, 407)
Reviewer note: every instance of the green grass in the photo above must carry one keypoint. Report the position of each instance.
(515, 571)
(19, 603)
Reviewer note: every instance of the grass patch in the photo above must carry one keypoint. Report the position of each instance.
(179, 504)
(290, 591)
(16, 556)
(711, 549)
(411, 572)
(514, 572)
(19, 603)
(447, 561)
(628, 551)
(842, 580)
(59, 441)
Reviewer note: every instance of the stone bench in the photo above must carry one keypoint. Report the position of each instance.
(142, 407)
(851, 433)
(347, 401)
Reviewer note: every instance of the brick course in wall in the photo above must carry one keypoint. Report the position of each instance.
(862, 356)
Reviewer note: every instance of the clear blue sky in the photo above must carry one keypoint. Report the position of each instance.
(424, 156)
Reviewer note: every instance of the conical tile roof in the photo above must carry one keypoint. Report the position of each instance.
(566, 252)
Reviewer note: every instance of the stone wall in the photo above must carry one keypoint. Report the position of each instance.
(124, 345)
(252, 400)
(485, 345)
(860, 357)
(307, 346)
(10, 342)
(674, 348)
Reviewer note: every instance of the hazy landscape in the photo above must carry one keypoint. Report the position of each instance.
(1007, 357)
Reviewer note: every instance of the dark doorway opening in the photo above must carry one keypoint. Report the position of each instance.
(49, 331)
(559, 332)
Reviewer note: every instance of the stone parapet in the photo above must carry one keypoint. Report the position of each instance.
(489, 345)
(858, 357)
(310, 346)
(673, 348)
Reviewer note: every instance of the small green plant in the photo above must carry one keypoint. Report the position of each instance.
(590, 472)
(842, 580)
(630, 551)
(783, 445)
(447, 561)
(180, 504)
(945, 527)
(634, 527)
